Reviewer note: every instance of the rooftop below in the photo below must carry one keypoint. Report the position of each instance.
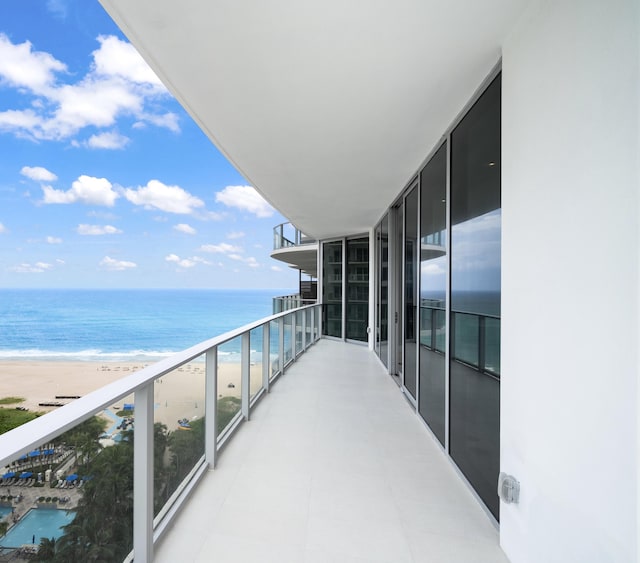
(333, 466)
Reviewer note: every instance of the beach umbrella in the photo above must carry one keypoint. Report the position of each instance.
(34, 453)
(9, 474)
(72, 477)
(26, 474)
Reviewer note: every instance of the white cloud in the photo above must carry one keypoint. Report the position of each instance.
(182, 263)
(156, 195)
(97, 230)
(21, 67)
(249, 261)
(432, 269)
(54, 240)
(245, 198)
(114, 265)
(119, 84)
(86, 189)
(167, 120)
(119, 58)
(184, 228)
(38, 173)
(58, 8)
(276, 268)
(3, 229)
(37, 268)
(108, 140)
(222, 248)
(235, 235)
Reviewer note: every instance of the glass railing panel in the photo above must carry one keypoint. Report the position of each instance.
(426, 326)
(298, 332)
(75, 492)
(308, 326)
(229, 383)
(274, 344)
(255, 361)
(178, 417)
(288, 338)
(466, 334)
(440, 329)
(492, 345)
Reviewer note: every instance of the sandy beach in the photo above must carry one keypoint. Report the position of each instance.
(177, 395)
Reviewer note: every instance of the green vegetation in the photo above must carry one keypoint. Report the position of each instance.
(125, 414)
(228, 407)
(11, 400)
(12, 418)
(103, 525)
(84, 439)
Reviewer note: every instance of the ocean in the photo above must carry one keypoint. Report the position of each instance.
(121, 325)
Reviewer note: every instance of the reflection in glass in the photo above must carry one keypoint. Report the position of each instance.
(357, 302)
(332, 288)
(274, 343)
(433, 268)
(229, 383)
(298, 319)
(475, 295)
(410, 289)
(382, 290)
(178, 427)
(255, 361)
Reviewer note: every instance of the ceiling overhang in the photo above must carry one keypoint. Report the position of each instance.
(327, 108)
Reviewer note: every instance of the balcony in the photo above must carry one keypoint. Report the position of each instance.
(295, 249)
(333, 466)
(133, 481)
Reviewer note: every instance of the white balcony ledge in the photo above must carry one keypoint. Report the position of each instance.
(333, 466)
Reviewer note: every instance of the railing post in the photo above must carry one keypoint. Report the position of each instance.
(143, 475)
(266, 355)
(281, 345)
(245, 362)
(211, 407)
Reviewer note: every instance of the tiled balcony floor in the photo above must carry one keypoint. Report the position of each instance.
(333, 467)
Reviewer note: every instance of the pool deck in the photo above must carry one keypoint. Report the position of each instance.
(29, 499)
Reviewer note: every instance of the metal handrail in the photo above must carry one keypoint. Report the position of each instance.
(282, 241)
(24, 438)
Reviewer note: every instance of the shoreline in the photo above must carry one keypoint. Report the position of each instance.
(177, 395)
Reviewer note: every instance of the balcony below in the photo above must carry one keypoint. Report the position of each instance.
(334, 466)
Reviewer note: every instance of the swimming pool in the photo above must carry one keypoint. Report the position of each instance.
(38, 522)
(4, 510)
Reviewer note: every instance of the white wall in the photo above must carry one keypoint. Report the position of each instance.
(569, 427)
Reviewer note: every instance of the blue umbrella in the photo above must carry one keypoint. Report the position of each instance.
(34, 453)
(72, 477)
(26, 474)
(9, 474)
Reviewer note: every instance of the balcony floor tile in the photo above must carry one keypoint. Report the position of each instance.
(333, 466)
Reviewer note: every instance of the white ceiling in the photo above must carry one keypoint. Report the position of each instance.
(327, 108)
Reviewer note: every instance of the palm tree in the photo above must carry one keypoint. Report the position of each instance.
(46, 549)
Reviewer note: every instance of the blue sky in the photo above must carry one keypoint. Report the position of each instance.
(105, 181)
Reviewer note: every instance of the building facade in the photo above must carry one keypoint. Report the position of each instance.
(472, 174)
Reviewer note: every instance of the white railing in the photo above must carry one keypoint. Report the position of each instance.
(285, 235)
(304, 330)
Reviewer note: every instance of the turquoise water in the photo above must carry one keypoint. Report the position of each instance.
(4, 510)
(38, 522)
(121, 325)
